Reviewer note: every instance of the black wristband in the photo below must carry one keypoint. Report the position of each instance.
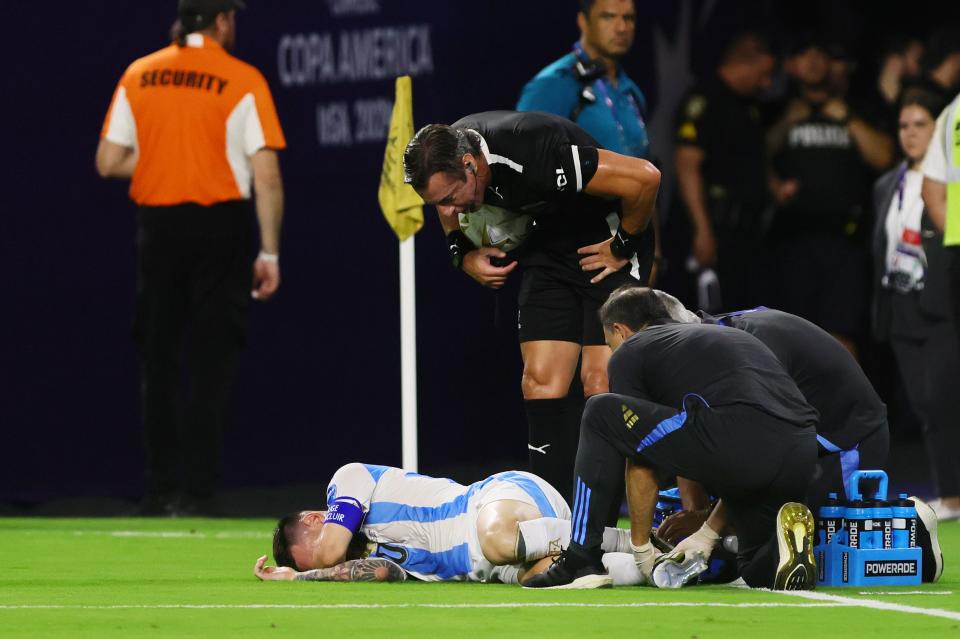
(459, 245)
(626, 245)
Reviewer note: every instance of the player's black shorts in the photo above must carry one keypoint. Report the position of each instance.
(558, 302)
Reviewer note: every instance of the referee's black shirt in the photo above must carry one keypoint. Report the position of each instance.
(825, 372)
(540, 164)
(723, 365)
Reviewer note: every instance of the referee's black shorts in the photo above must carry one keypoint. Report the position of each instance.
(558, 302)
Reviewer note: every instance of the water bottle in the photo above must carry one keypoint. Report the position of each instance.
(884, 522)
(855, 515)
(871, 536)
(904, 514)
(830, 519)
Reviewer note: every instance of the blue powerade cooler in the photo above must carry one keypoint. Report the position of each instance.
(873, 546)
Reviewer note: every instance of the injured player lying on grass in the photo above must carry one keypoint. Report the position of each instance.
(385, 524)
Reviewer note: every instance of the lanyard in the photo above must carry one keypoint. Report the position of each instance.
(901, 185)
(601, 88)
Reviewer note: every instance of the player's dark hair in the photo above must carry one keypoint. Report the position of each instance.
(926, 100)
(586, 5)
(437, 148)
(633, 306)
(286, 527)
(943, 43)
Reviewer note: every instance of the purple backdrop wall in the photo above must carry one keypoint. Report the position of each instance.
(319, 383)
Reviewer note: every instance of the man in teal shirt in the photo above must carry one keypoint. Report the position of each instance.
(589, 86)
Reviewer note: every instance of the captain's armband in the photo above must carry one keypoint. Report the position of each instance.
(346, 512)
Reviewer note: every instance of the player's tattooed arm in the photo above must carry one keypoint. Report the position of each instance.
(371, 569)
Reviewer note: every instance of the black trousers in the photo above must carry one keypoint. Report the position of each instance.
(953, 279)
(753, 461)
(872, 453)
(930, 367)
(193, 291)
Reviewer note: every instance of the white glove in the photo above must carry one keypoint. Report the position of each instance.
(645, 556)
(703, 541)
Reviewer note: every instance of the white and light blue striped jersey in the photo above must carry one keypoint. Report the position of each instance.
(428, 525)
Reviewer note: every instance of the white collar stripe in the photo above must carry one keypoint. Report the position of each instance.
(492, 158)
(576, 166)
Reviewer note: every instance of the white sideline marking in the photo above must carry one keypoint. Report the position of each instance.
(173, 534)
(869, 603)
(891, 593)
(650, 604)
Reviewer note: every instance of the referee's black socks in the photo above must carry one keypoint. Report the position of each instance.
(553, 432)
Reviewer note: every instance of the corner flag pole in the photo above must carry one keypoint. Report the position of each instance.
(408, 352)
(403, 210)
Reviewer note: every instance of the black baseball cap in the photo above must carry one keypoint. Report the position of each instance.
(199, 14)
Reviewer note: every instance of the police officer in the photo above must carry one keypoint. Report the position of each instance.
(579, 195)
(194, 128)
(822, 154)
(721, 175)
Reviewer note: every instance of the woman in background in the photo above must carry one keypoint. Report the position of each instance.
(911, 301)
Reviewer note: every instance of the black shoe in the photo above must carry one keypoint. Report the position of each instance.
(572, 569)
(927, 541)
(797, 568)
(153, 506)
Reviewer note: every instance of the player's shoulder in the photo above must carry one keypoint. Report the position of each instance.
(360, 471)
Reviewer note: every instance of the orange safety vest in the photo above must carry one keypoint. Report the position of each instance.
(196, 114)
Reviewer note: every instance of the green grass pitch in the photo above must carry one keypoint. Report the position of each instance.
(193, 578)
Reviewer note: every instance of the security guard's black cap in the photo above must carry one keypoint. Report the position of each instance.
(199, 14)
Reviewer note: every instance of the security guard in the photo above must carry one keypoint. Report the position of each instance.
(194, 128)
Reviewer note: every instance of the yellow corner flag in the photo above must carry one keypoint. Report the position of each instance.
(401, 205)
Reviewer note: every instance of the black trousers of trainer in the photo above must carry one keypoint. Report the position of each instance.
(872, 453)
(193, 292)
(753, 461)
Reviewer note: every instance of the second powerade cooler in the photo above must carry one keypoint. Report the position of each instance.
(876, 543)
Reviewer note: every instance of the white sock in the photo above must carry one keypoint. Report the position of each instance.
(508, 574)
(616, 540)
(623, 569)
(545, 536)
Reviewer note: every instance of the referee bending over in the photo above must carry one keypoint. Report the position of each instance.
(592, 208)
(194, 128)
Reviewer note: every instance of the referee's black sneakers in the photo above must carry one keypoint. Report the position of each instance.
(927, 541)
(572, 568)
(797, 568)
